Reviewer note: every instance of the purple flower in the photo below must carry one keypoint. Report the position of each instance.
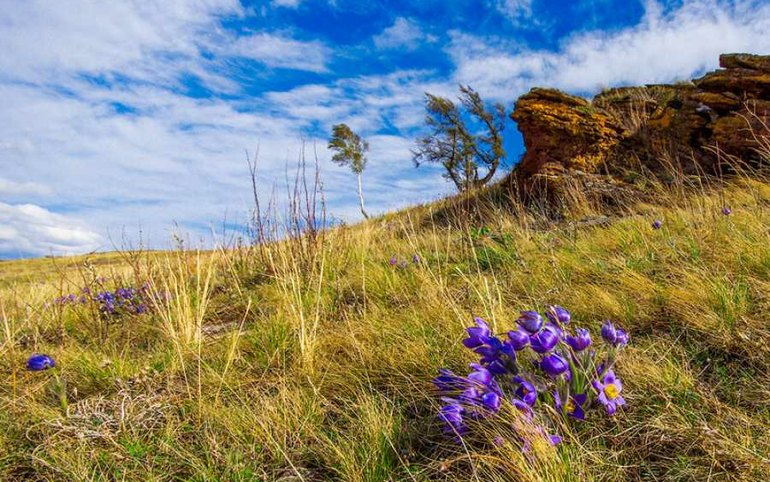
(554, 364)
(580, 341)
(490, 351)
(573, 407)
(609, 333)
(480, 374)
(726, 210)
(544, 341)
(616, 337)
(477, 335)
(482, 342)
(554, 328)
(447, 381)
(657, 224)
(415, 259)
(451, 415)
(393, 261)
(403, 264)
(477, 383)
(530, 321)
(526, 391)
(554, 439)
(518, 339)
(38, 362)
(558, 315)
(524, 408)
(491, 401)
(609, 389)
(475, 396)
(621, 338)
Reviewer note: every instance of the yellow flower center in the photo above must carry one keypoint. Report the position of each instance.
(569, 406)
(611, 391)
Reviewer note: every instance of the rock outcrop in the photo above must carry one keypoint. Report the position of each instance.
(700, 127)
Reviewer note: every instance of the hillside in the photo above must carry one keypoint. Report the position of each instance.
(313, 359)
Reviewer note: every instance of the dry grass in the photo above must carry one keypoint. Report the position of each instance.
(315, 363)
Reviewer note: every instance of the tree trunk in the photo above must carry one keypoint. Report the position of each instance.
(361, 197)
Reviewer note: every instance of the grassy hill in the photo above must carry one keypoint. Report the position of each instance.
(312, 359)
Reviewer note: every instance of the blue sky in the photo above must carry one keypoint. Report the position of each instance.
(126, 117)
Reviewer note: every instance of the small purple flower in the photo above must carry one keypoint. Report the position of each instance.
(403, 264)
(554, 364)
(477, 335)
(416, 259)
(657, 224)
(526, 391)
(554, 439)
(451, 415)
(544, 341)
(621, 338)
(554, 328)
(609, 333)
(393, 261)
(490, 351)
(574, 405)
(609, 389)
(558, 315)
(580, 341)
(530, 321)
(38, 362)
(491, 401)
(518, 339)
(480, 375)
(482, 342)
(726, 210)
(524, 408)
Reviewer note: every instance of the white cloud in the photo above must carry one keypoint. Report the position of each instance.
(282, 52)
(404, 33)
(286, 3)
(41, 38)
(30, 230)
(663, 47)
(12, 188)
(515, 10)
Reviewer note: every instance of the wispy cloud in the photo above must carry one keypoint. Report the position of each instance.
(404, 33)
(277, 51)
(286, 3)
(9, 188)
(515, 10)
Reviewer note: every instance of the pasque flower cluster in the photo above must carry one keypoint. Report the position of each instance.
(543, 360)
(122, 300)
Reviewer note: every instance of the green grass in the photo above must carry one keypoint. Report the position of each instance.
(315, 363)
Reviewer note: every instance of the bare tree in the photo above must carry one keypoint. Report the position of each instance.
(470, 159)
(350, 150)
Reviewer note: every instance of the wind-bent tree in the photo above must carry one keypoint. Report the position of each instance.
(470, 158)
(350, 150)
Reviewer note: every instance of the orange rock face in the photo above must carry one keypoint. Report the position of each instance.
(693, 128)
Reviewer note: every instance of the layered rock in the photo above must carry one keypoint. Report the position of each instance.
(703, 126)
